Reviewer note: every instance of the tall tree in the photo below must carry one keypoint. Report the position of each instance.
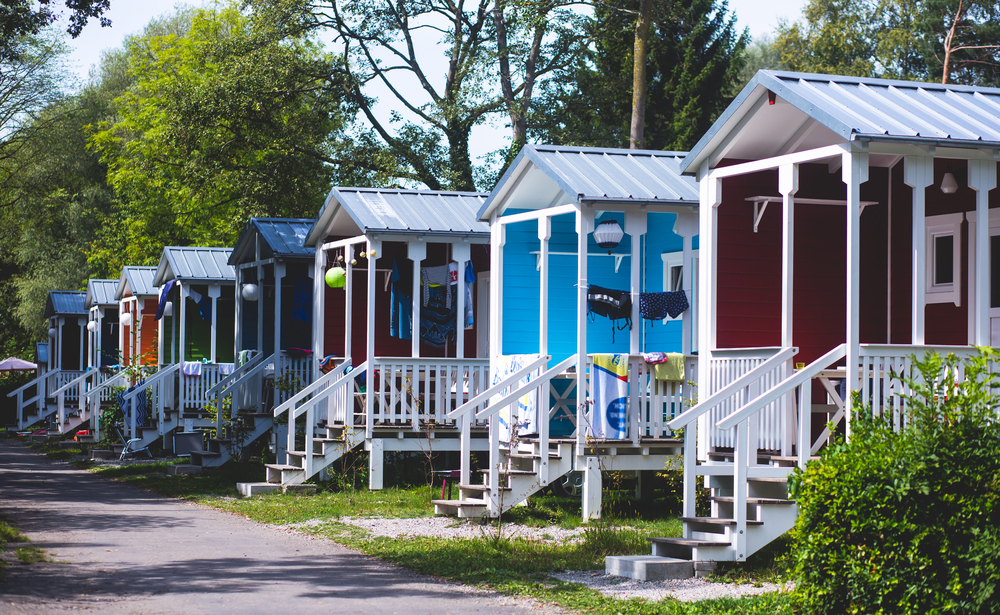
(20, 18)
(232, 118)
(694, 55)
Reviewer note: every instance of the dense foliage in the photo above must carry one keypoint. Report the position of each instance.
(908, 522)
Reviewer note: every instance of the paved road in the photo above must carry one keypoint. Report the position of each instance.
(123, 550)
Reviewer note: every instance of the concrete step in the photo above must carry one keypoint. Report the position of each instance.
(648, 567)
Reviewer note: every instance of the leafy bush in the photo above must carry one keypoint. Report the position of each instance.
(908, 522)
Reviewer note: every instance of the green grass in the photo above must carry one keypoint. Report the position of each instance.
(31, 555)
(9, 533)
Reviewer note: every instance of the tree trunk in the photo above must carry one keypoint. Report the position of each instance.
(639, 53)
(459, 160)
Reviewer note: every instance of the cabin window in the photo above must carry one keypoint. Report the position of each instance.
(673, 268)
(944, 259)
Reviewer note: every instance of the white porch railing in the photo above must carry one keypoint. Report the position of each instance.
(58, 381)
(37, 399)
(73, 390)
(295, 372)
(194, 389)
(728, 365)
(419, 392)
(102, 392)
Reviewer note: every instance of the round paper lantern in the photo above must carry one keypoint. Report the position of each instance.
(251, 292)
(608, 235)
(92, 326)
(336, 277)
(127, 319)
(52, 333)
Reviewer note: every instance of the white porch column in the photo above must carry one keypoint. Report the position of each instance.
(788, 185)
(635, 226)
(237, 318)
(584, 392)
(374, 245)
(182, 355)
(918, 173)
(686, 226)
(319, 307)
(348, 299)
(82, 322)
(854, 172)
(710, 198)
(214, 292)
(982, 179)
(544, 235)
(461, 252)
(416, 251)
(140, 304)
(161, 348)
(498, 234)
(279, 273)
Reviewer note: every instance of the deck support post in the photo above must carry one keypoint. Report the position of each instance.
(788, 185)
(710, 198)
(416, 251)
(918, 173)
(376, 465)
(319, 317)
(592, 489)
(584, 390)
(982, 179)
(544, 235)
(854, 172)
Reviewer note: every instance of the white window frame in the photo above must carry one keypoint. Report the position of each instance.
(943, 226)
(673, 260)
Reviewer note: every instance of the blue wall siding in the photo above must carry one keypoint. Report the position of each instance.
(521, 288)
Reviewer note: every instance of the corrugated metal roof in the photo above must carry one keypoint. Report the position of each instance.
(195, 264)
(602, 174)
(280, 238)
(402, 212)
(139, 280)
(100, 292)
(65, 302)
(871, 109)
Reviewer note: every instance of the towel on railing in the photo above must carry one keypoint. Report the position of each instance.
(140, 405)
(225, 369)
(328, 364)
(671, 370)
(191, 368)
(525, 412)
(609, 379)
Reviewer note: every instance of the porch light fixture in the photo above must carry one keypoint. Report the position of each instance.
(92, 326)
(250, 292)
(948, 184)
(608, 234)
(127, 319)
(168, 308)
(52, 333)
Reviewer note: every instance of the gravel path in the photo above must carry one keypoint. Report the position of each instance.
(685, 590)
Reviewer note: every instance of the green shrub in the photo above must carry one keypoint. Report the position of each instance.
(908, 522)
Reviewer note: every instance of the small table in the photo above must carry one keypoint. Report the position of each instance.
(445, 475)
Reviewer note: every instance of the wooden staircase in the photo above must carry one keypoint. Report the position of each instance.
(524, 470)
(220, 450)
(334, 443)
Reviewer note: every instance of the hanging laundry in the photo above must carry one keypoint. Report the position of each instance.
(437, 318)
(164, 297)
(657, 306)
(614, 304)
(204, 303)
(609, 417)
(671, 370)
(191, 368)
(470, 279)
(437, 276)
(226, 369)
(400, 306)
(652, 358)
(302, 299)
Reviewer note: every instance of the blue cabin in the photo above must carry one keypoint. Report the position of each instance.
(102, 323)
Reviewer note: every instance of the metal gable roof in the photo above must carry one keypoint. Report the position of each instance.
(402, 212)
(280, 237)
(195, 264)
(602, 174)
(139, 280)
(100, 292)
(855, 108)
(65, 302)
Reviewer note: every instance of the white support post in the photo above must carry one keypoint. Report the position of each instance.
(982, 179)
(140, 304)
(461, 252)
(82, 322)
(854, 173)
(260, 298)
(319, 307)
(279, 273)
(592, 489)
(376, 246)
(918, 173)
(348, 299)
(182, 355)
(214, 292)
(376, 464)
(238, 317)
(416, 251)
(635, 226)
(498, 233)
(788, 185)
(710, 198)
(544, 235)
(584, 389)
(686, 225)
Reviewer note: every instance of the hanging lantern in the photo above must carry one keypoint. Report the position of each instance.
(251, 292)
(52, 333)
(608, 234)
(92, 326)
(336, 277)
(127, 319)
(948, 184)
(168, 308)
